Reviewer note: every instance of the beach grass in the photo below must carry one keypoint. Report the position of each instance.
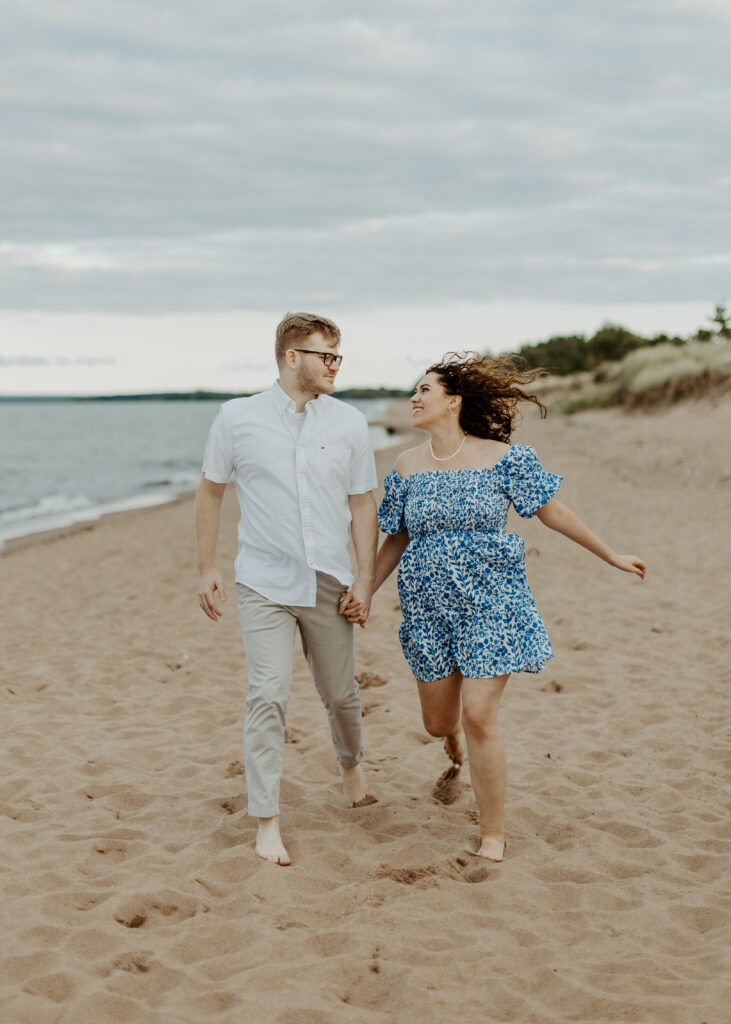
(650, 376)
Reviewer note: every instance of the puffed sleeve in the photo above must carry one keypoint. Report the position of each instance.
(526, 482)
(391, 512)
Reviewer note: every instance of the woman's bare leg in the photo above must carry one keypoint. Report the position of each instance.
(480, 701)
(440, 708)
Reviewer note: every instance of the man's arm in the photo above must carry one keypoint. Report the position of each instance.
(364, 530)
(208, 501)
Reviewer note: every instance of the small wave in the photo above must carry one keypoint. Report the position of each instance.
(177, 480)
(58, 511)
(186, 479)
(52, 505)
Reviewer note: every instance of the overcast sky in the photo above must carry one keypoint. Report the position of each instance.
(433, 174)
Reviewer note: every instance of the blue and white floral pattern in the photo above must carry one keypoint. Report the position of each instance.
(464, 595)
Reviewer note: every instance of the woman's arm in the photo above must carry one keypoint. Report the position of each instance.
(559, 517)
(389, 556)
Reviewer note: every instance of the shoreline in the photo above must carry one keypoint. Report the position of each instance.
(87, 517)
(393, 422)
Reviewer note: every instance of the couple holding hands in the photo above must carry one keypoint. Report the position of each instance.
(305, 476)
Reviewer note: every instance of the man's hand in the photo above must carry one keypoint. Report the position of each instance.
(211, 583)
(208, 500)
(355, 604)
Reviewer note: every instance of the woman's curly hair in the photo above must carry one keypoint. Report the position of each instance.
(491, 389)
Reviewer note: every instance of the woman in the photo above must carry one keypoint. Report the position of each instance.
(469, 620)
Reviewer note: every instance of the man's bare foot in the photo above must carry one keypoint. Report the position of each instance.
(453, 749)
(354, 787)
(491, 849)
(269, 843)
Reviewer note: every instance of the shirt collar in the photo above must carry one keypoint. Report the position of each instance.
(283, 403)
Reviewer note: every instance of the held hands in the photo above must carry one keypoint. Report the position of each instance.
(211, 584)
(355, 604)
(630, 563)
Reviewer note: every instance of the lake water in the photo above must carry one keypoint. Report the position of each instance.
(67, 462)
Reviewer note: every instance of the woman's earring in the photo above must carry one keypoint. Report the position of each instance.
(451, 411)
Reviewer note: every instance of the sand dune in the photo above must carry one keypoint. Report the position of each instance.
(131, 890)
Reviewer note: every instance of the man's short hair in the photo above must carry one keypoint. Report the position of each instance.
(296, 327)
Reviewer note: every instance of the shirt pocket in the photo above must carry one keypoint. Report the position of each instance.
(331, 466)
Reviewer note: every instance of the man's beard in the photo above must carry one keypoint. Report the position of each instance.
(308, 383)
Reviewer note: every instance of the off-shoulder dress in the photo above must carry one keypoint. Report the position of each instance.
(464, 595)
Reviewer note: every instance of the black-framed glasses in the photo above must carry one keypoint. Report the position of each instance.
(328, 358)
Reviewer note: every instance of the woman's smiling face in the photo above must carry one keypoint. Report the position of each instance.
(430, 402)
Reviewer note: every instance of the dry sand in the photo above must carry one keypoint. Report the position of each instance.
(132, 892)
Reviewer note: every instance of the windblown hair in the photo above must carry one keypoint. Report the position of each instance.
(296, 327)
(491, 390)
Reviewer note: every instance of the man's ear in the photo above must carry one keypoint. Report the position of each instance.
(290, 358)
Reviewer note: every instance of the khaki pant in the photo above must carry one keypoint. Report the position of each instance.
(327, 641)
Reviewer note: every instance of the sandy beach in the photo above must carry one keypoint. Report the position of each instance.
(131, 889)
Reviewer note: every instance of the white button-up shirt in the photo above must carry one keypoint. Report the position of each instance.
(292, 487)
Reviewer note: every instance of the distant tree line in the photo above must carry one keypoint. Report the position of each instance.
(358, 393)
(569, 353)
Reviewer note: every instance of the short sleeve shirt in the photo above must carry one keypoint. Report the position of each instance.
(293, 486)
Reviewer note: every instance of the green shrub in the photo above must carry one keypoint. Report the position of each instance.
(561, 355)
(610, 343)
(592, 398)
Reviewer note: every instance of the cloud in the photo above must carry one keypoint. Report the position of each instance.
(54, 257)
(227, 155)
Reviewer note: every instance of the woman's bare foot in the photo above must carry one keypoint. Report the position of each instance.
(354, 787)
(492, 849)
(453, 749)
(269, 843)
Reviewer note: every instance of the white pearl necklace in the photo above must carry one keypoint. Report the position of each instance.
(446, 458)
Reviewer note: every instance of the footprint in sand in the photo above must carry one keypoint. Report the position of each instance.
(138, 962)
(408, 876)
(233, 804)
(366, 679)
(57, 988)
(448, 787)
(151, 907)
(478, 874)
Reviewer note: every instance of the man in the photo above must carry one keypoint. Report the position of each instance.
(304, 471)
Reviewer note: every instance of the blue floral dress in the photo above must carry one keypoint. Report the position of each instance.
(464, 595)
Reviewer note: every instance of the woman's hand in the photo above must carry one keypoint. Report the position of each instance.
(630, 563)
(354, 610)
(559, 517)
